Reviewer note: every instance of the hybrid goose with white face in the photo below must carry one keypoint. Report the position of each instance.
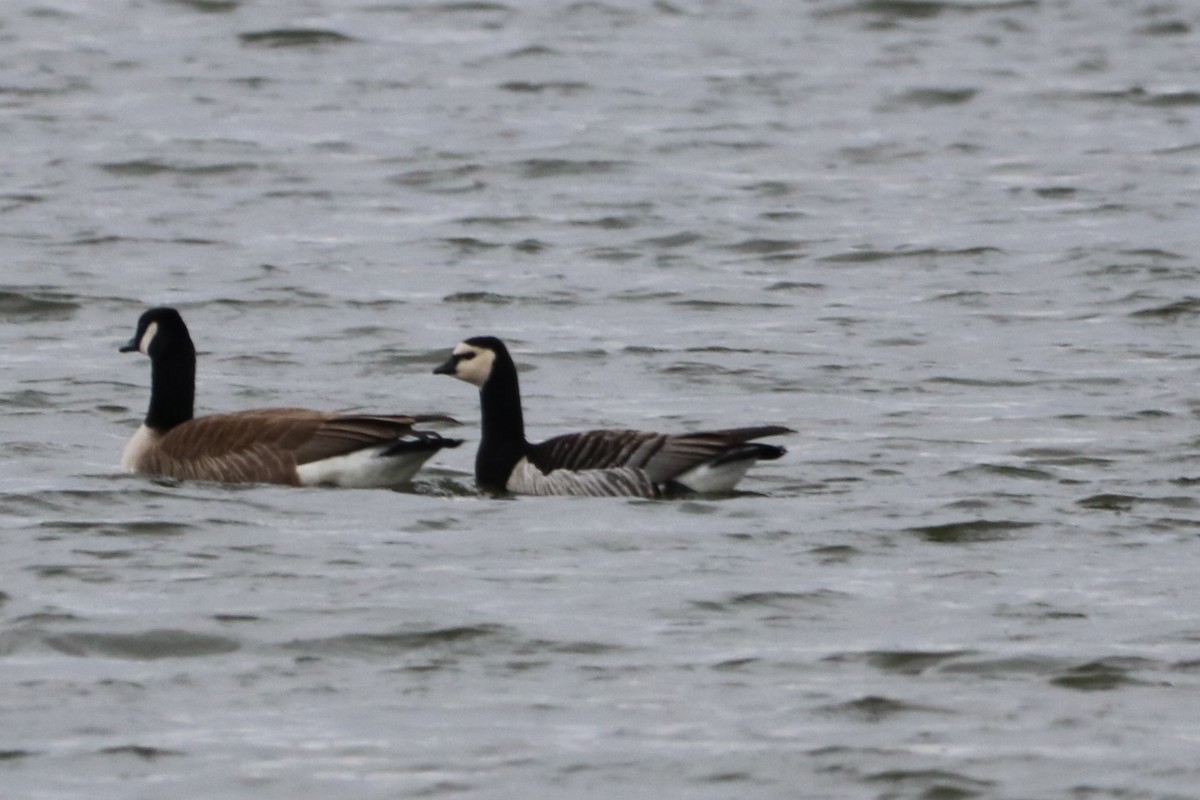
(295, 446)
(596, 463)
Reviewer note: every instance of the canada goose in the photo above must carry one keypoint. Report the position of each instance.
(295, 446)
(604, 462)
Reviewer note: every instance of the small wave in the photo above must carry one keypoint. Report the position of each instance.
(150, 527)
(610, 222)
(294, 37)
(139, 528)
(911, 662)
(969, 531)
(681, 239)
(835, 553)
(14, 200)
(29, 399)
(139, 167)
(471, 244)
(717, 305)
(142, 751)
(1061, 457)
(1168, 27)
(209, 6)
(470, 7)
(569, 647)
(375, 644)
(768, 247)
(795, 286)
(993, 383)
(1003, 471)
(1184, 307)
(968, 298)
(145, 646)
(923, 9)
(1109, 501)
(450, 180)
(488, 298)
(644, 296)
(783, 599)
(1008, 666)
(533, 51)
(1134, 95)
(735, 664)
(1170, 99)
(874, 708)
(1102, 675)
(1113, 501)
(538, 87)
(930, 783)
(535, 168)
(933, 97)
(869, 256)
(497, 221)
(1055, 192)
(37, 304)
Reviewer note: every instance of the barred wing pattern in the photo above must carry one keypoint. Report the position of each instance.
(613, 482)
(629, 462)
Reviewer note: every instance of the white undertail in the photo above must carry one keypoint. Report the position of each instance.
(364, 469)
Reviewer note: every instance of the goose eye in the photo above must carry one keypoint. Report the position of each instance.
(466, 356)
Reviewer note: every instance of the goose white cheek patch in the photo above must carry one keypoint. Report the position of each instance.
(474, 370)
(147, 338)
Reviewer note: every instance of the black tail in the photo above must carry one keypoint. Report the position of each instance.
(755, 450)
(420, 442)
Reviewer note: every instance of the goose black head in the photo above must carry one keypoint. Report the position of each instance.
(159, 330)
(474, 359)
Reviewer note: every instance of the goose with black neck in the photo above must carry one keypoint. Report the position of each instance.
(295, 446)
(629, 463)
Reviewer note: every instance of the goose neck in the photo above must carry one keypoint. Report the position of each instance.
(500, 400)
(172, 391)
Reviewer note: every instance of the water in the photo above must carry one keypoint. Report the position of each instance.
(951, 243)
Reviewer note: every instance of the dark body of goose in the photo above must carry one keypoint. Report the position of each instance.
(295, 446)
(596, 463)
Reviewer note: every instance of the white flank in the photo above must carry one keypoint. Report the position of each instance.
(141, 441)
(363, 469)
(720, 478)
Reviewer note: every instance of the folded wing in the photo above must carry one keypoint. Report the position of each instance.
(662, 457)
(266, 445)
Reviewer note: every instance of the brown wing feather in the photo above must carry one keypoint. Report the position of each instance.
(339, 435)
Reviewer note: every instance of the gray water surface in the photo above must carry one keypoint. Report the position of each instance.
(952, 244)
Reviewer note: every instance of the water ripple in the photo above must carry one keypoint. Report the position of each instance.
(294, 37)
(970, 531)
(381, 644)
(144, 646)
(37, 304)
